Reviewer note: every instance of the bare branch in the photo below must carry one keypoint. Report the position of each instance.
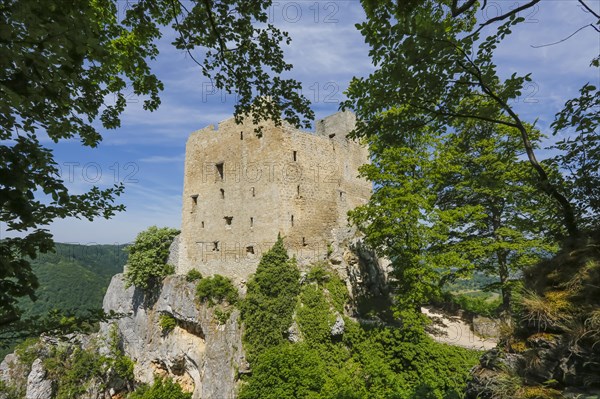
(566, 38)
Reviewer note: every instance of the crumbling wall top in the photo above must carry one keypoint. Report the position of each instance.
(337, 125)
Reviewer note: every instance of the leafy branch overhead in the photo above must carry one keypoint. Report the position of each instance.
(430, 57)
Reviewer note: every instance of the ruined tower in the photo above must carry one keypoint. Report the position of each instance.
(241, 190)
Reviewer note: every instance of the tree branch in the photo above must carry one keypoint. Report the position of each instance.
(456, 11)
(504, 16)
(589, 9)
(566, 38)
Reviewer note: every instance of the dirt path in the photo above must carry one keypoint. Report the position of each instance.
(457, 332)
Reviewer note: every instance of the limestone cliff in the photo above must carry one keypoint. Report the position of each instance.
(200, 353)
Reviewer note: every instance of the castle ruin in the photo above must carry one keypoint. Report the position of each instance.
(242, 190)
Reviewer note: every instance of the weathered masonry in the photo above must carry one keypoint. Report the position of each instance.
(241, 190)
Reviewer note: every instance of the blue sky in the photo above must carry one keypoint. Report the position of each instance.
(147, 152)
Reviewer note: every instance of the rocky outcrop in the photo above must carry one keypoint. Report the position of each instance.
(546, 369)
(363, 271)
(38, 387)
(200, 354)
(552, 347)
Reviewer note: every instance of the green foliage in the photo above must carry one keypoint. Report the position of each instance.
(222, 315)
(216, 289)
(366, 363)
(478, 303)
(445, 207)
(193, 275)
(313, 315)
(11, 391)
(122, 364)
(27, 351)
(72, 368)
(163, 388)
(286, 371)
(106, 55)
(148, 256)
(405, 97)
(167, 323)
(321, 274)
(270, 300)
(578, 153)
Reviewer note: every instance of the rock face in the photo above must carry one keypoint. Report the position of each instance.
(38, 387)
(543, 358)
(199, 353)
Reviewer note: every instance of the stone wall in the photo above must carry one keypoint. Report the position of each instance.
(241, 190)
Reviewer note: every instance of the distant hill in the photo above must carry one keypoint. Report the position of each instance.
(73, 279)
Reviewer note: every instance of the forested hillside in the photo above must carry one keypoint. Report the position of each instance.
(73, 279)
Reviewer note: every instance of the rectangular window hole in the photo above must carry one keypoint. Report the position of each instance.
(194, 199)
(215, 245)
(220, 169)
(295, 156)
(250, 250)
(241, 135)
(228, 220)
(304, 242)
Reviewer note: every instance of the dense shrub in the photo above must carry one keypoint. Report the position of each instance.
(193, 275)
(286, 371)
(216, 289)
(270, 300)
(161, 389)
(147, 262)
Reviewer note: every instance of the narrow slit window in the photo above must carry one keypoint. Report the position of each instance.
(295, 155)
(202, 224)
(228, 220)
(251, 222)
(250, 250)
(222, 194)
(304, 242)
(298, 190)
(292, 220)
(220, 169)
(241, 135)
(253, 192)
